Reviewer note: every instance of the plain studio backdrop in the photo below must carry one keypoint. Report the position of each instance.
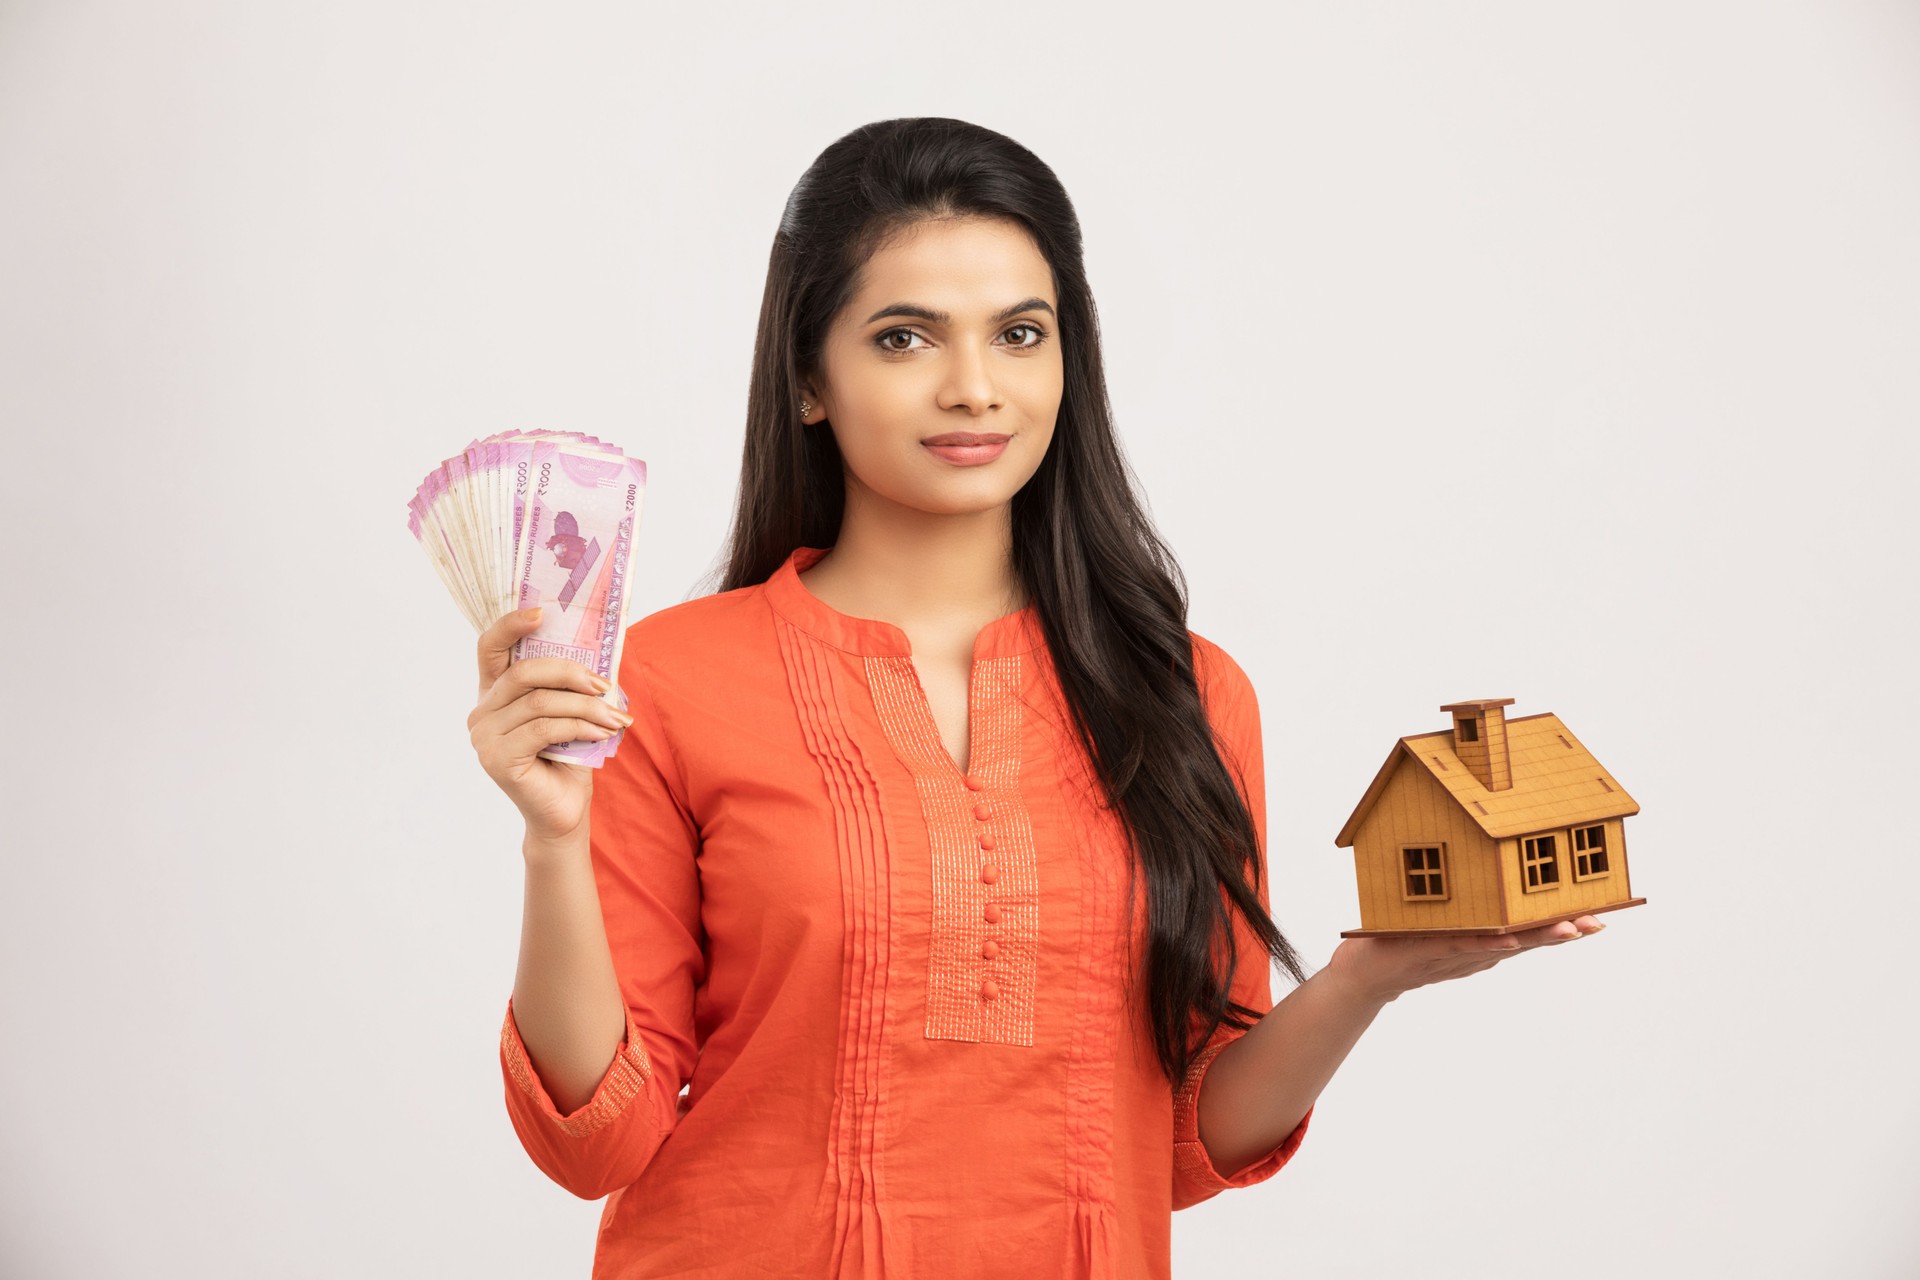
(1560, 353)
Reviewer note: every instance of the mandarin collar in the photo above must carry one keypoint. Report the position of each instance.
(1016, 632)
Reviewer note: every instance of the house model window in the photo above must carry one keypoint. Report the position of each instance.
(1426, 879)
(1589, 852)
(1540, 859)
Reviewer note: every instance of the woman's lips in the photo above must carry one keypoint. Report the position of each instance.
(967, 455)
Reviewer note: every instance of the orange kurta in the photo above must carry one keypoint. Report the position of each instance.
(892, 990)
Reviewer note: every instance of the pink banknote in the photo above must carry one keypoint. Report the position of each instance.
(526, 518)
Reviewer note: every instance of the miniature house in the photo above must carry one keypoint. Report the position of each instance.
(1493, 826)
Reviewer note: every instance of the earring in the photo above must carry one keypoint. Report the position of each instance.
(803, 411)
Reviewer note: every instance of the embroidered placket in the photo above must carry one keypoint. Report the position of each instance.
(985, 949)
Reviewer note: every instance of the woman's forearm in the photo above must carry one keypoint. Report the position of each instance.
(1262, 1085)
(566, 997)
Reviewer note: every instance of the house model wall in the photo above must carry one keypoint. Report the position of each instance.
(1491, 826)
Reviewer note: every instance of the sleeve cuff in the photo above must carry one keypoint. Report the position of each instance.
(626, 1076)
(1190, 1156)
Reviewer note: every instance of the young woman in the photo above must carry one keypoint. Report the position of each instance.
(932, 862)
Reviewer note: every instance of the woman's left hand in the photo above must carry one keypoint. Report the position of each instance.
(1383, 968)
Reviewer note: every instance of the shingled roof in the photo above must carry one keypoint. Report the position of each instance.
(1556, 781)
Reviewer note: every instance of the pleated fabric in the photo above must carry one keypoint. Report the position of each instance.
(882, 1014)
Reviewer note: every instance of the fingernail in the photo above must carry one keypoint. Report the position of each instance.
(531, 615)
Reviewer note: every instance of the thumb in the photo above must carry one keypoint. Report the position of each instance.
(497, 641)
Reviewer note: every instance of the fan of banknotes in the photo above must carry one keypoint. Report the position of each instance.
(546, 518)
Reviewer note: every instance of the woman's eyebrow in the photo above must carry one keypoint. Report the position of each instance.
(940, 317)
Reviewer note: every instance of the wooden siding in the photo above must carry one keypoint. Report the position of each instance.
(1414, 809)
(1571, 895)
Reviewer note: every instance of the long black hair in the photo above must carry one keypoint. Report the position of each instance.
(1110, 597)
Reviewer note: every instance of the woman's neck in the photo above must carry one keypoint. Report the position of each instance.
(932, 571)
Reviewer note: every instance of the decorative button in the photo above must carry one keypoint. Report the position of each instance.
(992, 913)
(989, 873)
(988, 990)
(973, 783)
(986, 842)
(981, 811)
(989, 949)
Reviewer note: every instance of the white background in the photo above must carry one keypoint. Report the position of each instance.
(1562, 353)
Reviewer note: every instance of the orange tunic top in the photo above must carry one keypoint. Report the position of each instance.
(892, 990)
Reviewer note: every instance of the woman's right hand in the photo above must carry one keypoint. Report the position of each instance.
(527, 706)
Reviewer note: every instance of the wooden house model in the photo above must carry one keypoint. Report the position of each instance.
(1492, 826)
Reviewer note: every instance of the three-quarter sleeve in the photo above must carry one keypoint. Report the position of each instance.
(644, 844)
(1235, 714)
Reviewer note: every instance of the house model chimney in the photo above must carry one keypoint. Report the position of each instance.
(1480, 740)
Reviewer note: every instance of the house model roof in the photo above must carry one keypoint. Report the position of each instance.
(1556, 781)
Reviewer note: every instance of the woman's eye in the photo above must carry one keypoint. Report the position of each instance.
(885, 343)
(1039, 335)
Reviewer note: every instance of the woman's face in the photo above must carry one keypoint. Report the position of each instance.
(954, 329)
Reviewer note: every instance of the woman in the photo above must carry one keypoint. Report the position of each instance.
(933, 859)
